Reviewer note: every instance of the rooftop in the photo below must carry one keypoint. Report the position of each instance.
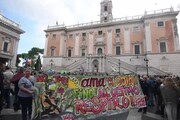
(137, 17)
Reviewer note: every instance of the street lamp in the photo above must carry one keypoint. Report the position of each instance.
(119, 66)
(146, 60)
(51, 61)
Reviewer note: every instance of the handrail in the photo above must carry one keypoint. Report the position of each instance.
(158, 70)
(122, 64)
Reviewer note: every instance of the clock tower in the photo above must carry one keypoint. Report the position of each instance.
(106, 11)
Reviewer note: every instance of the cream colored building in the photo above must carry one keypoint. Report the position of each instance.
(9, 39)
(141, 44)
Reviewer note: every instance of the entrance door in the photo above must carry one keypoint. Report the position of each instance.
(95, 66)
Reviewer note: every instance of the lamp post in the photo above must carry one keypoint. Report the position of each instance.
(119, 67)
(51, 61)
(146, 60)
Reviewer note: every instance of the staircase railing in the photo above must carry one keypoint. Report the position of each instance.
(154, 70)
(158, 71)
(75, 64)
(122, 64)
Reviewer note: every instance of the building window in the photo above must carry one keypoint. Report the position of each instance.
(105, 8)
(71, 36)
(136, 29)
(83, 52)
(117, 30)
(84, 34)
(54, 35)
(105, 18)
(99, 32)
(99, 51)
(52, 51)
(69, 53)
(118, 51)
(162, 46)
(136, 49)
(5, 47)
(160, 24)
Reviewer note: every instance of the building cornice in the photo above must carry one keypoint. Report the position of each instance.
(115, 22)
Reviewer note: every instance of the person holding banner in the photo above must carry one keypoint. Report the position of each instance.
(25, 94)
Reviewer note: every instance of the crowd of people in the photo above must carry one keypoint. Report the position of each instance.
(161, 92)
(20, 85)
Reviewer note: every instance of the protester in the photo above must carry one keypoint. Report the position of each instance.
(25, 94)
(170, 97)
(144, 87)
(15, 81)
(7, 85)
(1, 86)
(151, 90)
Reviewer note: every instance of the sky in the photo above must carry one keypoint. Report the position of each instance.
(34, 16)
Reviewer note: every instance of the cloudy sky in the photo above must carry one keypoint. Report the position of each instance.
(35, 15)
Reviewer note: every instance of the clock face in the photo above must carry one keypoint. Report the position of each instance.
(105, 14)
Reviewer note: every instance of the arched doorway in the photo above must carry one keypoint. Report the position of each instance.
(95, 66)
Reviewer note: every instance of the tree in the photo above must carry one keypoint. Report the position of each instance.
(38, 64)
(30, 57)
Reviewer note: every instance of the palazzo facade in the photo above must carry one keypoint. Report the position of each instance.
(146, 44)
(9, 39)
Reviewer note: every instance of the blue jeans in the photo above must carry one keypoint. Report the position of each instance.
(26, 107)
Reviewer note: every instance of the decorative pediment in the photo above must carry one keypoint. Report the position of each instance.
(136, 42)
(52, 47)
(162, 39)
(69, 47)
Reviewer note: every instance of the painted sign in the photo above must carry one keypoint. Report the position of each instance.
(74, 97)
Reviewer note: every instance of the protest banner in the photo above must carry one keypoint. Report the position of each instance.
(71, 97)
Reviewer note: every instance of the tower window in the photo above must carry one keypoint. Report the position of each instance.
(105, 8)
(105, 18)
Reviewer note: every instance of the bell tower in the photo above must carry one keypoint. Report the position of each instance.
(106, 11)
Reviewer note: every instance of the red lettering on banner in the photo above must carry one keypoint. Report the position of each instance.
(68, 117)
(79, 106)
(125, 102)
(115, 101)
(93, 82)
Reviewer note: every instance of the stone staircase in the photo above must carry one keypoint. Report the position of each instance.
(117, 64)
